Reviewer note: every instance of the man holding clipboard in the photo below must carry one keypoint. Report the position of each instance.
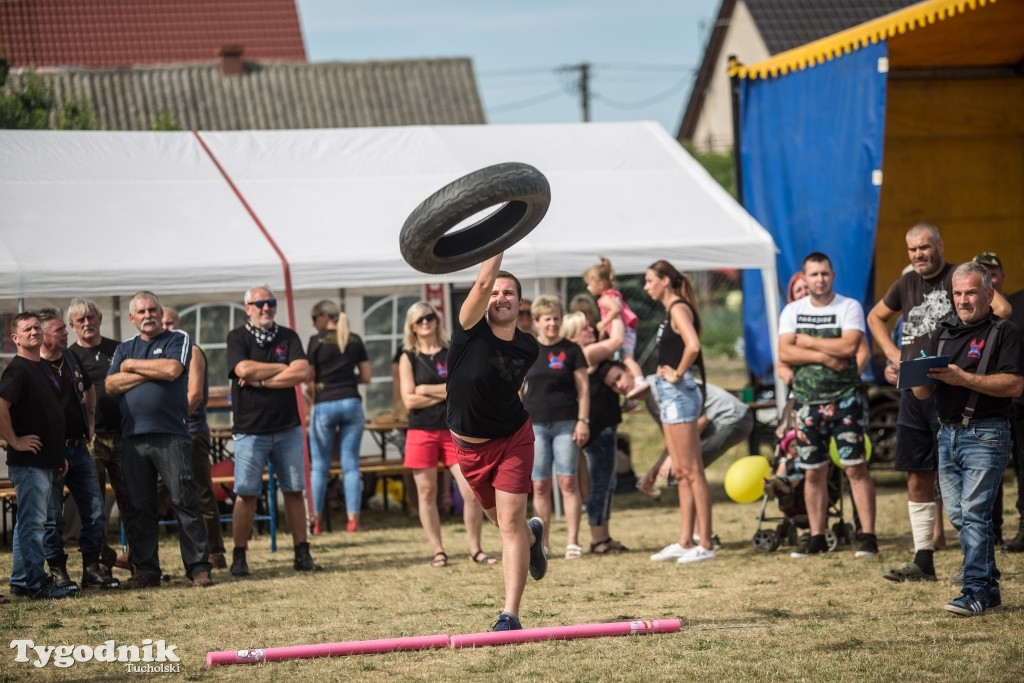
(924, 295)
(973, 401)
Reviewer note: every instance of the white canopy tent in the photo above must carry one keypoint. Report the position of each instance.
(94, 213)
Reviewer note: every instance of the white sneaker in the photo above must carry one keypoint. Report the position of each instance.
(698, 553)
(669, 552)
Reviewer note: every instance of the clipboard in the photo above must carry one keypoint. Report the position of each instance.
(914, 372)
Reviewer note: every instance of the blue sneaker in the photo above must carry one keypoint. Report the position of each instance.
(507, 622)
(969, 604)
(538, 561)
(992, 599)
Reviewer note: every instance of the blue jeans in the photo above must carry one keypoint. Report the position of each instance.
(284, 450)
(347, 416)
(85, 489)
(34, 488)
(601, 455)
(971, 464)
(170, 456)
(553, 445)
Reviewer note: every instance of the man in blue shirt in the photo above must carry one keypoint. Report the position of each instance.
(148, 373)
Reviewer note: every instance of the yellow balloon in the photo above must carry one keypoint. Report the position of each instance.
(744, 481)
(833, 450)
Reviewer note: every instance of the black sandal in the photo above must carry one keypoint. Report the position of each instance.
(480, 557)
(608, 545)
(440, 560)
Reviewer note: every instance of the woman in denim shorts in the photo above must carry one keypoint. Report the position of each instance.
(557, 397)
(681, 401)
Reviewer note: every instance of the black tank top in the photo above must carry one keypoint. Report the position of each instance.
(429, 368)
(670, 344)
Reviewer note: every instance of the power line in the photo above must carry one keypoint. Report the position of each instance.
(641, 104)
(523, 104)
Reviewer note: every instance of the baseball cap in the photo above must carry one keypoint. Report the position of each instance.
(989, 258)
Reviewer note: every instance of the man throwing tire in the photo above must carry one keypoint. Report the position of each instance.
(493, 435)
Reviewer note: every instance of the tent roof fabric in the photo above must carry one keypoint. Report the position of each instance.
(906, 22)
(116, 33)
(133, 210)
(271, 96)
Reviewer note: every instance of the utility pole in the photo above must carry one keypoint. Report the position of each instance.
(585, 90)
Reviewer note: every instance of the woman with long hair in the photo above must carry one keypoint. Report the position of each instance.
(557, 396)
(422, 373)
(681, 402)
(339, 363)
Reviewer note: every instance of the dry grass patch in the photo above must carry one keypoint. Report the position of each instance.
(747, 616)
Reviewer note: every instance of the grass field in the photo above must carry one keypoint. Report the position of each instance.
(748, 616)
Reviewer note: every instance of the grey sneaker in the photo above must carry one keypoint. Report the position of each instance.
(908, 572)
(958, 578)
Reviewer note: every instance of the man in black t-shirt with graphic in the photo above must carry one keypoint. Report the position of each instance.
(32, 424)
(973, 401)
(487, 363)
(925, 297)
(265, 363)
(94, 353)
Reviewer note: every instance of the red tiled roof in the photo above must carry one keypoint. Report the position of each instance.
(117, 33)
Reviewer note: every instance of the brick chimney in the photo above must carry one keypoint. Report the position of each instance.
(231, 63)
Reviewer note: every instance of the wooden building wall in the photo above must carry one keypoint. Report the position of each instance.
(954, 156)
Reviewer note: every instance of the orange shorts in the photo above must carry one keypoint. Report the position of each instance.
(426, 448)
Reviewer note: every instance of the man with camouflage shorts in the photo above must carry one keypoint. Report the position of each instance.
(818, 337)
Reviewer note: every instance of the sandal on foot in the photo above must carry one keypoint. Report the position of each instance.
(480, 557)
(607, 546)
(440, 560)
(573, 552)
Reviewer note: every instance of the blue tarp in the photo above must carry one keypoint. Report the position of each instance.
(810, 142)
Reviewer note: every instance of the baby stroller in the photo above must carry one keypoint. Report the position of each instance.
(791, 505)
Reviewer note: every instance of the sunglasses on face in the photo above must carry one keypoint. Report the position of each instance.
(260, 304)
(428, 318)
(317, 317)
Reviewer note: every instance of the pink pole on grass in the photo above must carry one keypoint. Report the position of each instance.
(358, 647)
(527, 635)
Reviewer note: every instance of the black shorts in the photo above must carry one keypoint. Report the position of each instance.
(917, 428)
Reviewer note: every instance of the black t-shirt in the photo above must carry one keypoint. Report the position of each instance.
(484, 376)
(335, 371)
(95, 362)
(551, 384)
(925, 304)
(964, 344)
(71, 383)
(605, 408)
(429, 368)
(258, 410)
(35, 409)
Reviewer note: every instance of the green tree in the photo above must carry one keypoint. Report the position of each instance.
(29, 103)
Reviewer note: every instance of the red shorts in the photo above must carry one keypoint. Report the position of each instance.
(504, 464)
(426, 448)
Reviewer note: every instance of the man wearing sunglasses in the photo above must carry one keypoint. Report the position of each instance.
(265, 364)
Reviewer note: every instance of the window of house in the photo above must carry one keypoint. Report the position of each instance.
(384, 324)
(208, 325)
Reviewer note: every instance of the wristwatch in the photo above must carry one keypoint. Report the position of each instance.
(584, 420)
